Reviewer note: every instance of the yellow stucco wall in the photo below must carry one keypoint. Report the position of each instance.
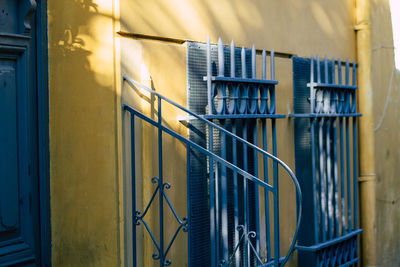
(83, 134)
(89, 145)
(387, 135)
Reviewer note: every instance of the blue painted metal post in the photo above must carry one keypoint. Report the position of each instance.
(224, 198)
(235, 191)
(245, 196)
(188, 197)
(133, 186)
(342, 182)
(355, 164)
(246, 247)
(313, 151)
(334, 109)
(322, 179)
(347, 109)
(265, 165)
(223, 181)
(342, 166)
(314, 179)
(255, 154)
(349, 220)
(266, 193)
(160, 184)
(235, 162)
(277, 253)
(209, 74)
(312, 91)
(335, 176)
(213, 211)
(329, 178)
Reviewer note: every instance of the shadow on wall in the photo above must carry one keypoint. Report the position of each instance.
(301, 27)
(85, 229)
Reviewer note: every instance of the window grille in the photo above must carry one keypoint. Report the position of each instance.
(326, 160)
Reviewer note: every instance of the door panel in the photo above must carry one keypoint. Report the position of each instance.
(8, 149)
(19, 220)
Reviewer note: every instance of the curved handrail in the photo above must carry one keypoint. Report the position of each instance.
(134, 83)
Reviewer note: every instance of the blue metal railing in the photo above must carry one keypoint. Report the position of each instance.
(216, 163)
(328, 105)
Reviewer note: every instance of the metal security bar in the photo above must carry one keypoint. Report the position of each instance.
(243, 104)
(219, 167)
(326, 165)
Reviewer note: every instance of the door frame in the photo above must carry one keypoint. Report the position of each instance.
(43, 131)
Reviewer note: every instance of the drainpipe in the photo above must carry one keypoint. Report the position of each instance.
(367, 175)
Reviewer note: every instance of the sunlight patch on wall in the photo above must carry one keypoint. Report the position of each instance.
(395, 12)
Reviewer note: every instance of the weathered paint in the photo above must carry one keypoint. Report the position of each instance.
(387, 136)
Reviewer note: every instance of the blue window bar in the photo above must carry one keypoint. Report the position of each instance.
(238, 101)
(326, 160)
(230, 230)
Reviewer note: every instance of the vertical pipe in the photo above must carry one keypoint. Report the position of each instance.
(209, 74)
(266, 192)
(160, 184)
(366, 130)
(277, 253)
(133, 181)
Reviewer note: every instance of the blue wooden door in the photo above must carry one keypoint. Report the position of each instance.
(19, 201)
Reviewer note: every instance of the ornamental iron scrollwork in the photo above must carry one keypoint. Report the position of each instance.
(140, 219)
